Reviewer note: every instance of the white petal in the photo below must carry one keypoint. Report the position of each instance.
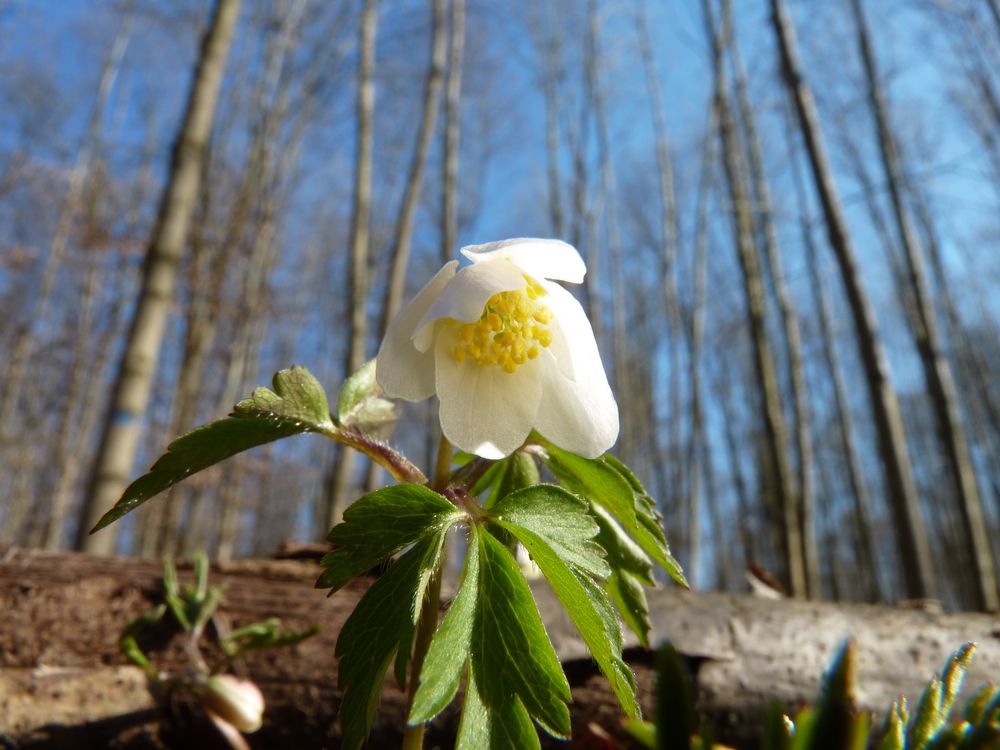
(485, 410)
(401, 369)
(579, 414)
(466, 295)
(542, 259)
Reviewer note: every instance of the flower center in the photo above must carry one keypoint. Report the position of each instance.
(512, 329)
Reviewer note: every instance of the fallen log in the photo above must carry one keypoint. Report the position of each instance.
(62, 676)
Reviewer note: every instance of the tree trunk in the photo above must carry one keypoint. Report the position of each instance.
(411, 194)
(790, 325)
(551, 76)
(698, 443)
(131, 392)
(937, 369)
(911, 535)
(767, 379)
(338, 482)
(452, 132)
(669, 231)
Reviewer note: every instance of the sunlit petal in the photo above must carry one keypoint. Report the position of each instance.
(578, 414)
(401, 369)
(485, 410)
(540, 258)
(466, 295)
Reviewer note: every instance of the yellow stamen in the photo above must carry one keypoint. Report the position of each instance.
(512, 329)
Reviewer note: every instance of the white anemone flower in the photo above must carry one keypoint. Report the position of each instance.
(506, 350)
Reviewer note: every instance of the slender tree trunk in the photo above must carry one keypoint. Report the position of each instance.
(753, 551)
(859, 487)
(697, 445)
(937, 369)
(608, 193)
(339, 480)
(591, 284)
(551, 76)
(994, 6)
(790, 326)
(669, 231)
(453, 131)
(911, 536)
(131, 392)
(767, 379)
(411, 194)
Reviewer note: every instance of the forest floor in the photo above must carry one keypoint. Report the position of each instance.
(65, 684)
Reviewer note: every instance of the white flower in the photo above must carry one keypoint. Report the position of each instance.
(506, 350)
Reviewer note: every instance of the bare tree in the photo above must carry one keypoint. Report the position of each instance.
(937, 369)
(452, 131)
(411, 194)
(131, 392)
(911, 535)
(669, 231)
(338, 481)
(779, 464)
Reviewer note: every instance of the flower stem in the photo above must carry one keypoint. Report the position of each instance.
(413, 737)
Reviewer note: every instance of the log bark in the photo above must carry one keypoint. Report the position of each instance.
(63, 680)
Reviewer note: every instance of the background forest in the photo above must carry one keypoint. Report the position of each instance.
(789, 212)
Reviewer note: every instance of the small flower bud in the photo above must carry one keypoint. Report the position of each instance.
(235, 701)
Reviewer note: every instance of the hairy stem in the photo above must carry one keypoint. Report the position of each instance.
(413, 736)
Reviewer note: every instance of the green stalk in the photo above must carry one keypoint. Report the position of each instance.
(413, 736)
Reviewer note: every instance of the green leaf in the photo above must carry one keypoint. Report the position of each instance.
(296, 405)
(262, 635)
(561, 519)
(297, 400)
(928, 718)
(379, 525)
(597, 481)
(676, 719)
(503, 726)
(975, 709)
(648, 517)
(835, 720)
(650, 536)
(629, 597)
(778, 728)
(894, 731)
(518, 471)
(360, 404)
(631, 569)
(643, 732)
(954, 675)
(986, 732)
(556, 529)
(373, 632)
(511, 652)
(591, 611)
(601, 482)
(448, 653)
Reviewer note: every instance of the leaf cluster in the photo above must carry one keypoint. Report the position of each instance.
(595, 536)
(191, 608)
